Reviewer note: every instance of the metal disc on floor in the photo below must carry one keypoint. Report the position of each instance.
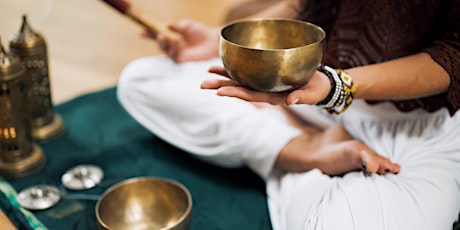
(39, 197)
(82, 177)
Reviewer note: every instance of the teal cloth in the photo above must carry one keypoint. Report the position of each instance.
(100, 132)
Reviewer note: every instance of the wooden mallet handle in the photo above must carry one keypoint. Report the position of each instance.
(154, 27)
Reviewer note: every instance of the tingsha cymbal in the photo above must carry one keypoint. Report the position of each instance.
(39, 197)
(82, 177)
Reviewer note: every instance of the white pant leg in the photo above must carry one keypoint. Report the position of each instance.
(423, 196)
(166, 98)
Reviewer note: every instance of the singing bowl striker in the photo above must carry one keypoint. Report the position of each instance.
(271, 55)
(145, 203)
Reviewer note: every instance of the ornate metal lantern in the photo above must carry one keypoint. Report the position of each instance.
(19, 155)
(30, 47)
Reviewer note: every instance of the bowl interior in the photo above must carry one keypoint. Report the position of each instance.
(144, 203)
(272, 34)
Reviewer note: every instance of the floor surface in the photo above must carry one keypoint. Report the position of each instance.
(89, 42)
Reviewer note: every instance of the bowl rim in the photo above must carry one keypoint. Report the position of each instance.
(222, 38)
(184, 216)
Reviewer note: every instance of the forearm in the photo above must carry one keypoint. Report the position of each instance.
(282, 9)
(404, 78)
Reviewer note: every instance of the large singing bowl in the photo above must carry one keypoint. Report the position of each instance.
(145, 203)
(271, 55)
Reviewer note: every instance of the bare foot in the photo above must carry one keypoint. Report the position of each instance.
(332, 151)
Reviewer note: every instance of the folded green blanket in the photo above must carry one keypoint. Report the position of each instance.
(100, 132)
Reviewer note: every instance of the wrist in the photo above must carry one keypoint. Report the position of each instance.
(333, 86)
(341, 93)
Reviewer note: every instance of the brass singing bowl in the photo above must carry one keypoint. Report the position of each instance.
(145, 203)
(271, 55)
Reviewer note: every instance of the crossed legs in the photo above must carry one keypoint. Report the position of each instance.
(165, 97)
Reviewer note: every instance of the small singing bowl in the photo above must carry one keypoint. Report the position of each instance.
(271, 55)
(145, 203)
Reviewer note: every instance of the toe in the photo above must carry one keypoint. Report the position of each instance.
(387, 167)
(369, 163)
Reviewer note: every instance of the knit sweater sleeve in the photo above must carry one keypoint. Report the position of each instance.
(446, 52)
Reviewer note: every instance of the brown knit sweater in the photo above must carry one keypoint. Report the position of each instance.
(361, 32)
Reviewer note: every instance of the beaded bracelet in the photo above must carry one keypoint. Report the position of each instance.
(330, 76)
(335, 96)
(342, 90)
(349, 90)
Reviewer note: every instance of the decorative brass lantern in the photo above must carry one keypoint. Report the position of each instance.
(30, 47)
(19, 155)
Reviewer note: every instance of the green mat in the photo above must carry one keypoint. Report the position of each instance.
(100, 132)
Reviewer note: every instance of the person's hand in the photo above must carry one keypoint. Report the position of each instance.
(334, 152)
(315, 90)
(197, 41)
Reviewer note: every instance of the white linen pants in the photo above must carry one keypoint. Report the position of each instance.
(166, 98)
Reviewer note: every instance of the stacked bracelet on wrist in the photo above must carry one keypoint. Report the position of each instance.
(342, 90)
